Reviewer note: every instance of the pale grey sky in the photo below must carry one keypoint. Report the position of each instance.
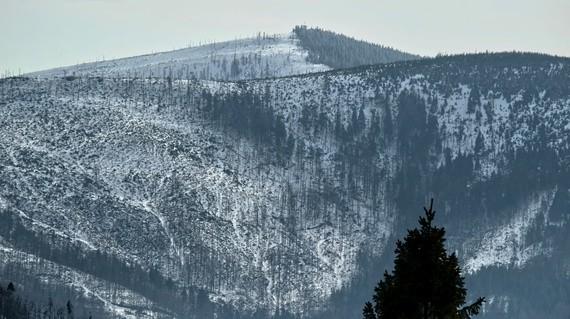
(40, 34)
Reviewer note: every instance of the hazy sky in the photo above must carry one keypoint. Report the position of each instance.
(39, 34)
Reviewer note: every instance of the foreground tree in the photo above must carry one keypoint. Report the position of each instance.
(426, 282)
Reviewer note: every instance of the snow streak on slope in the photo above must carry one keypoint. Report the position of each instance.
(505, 245)
(268, 56)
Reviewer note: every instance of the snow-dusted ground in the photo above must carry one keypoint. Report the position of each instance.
(505, 245)
(505, 127)
(268, 56)
(126, 167)
(180, 192)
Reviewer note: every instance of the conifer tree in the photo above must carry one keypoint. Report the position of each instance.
(368, 311)
(69, 307)
(426, 282)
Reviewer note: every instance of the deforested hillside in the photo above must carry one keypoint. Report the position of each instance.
(339, 51)
(264, 56)
(274, 197)
(257, 57)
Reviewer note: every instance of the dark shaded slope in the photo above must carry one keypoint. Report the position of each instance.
(339, 51)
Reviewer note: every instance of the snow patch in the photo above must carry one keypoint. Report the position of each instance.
(505, 245)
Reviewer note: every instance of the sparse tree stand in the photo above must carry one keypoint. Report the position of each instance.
(426, 282)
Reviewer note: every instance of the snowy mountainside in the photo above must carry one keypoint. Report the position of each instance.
(168, 193)
(262, 56)
(267, 197)
(493, 152)
(301, 51)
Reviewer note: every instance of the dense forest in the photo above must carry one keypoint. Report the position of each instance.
(340, 52)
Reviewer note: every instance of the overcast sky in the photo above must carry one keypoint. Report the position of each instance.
(40, 34)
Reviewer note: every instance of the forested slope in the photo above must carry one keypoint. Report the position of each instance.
(340, 52)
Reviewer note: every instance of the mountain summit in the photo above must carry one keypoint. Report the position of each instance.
(304, 50)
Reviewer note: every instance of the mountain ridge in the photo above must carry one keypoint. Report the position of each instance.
(257, 57)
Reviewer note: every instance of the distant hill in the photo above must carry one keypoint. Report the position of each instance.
(339, 51)
(258, 57)
(264, 56)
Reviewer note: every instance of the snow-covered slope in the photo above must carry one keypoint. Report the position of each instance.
(272, 196)
(168, 192)
(299, 52)
(506, 245)
(262, 56)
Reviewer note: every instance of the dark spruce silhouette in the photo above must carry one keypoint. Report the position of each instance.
(426, 282)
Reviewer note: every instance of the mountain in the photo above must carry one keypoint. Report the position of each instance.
(282, 197)
(304, 50)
